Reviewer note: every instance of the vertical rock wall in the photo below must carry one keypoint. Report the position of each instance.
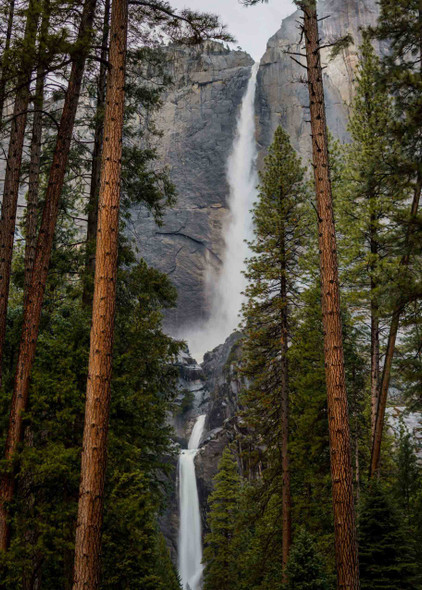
(198, 121)
(282, 94)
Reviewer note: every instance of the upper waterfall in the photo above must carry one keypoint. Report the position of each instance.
(226, 289)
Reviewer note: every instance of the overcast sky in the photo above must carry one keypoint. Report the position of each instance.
(251, 26)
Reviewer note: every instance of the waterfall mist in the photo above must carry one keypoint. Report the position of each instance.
(190, 539)
(226, 287)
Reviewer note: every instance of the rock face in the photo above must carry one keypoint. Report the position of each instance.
(214, 387)
(221, 425)
(198, 120)
(281, 91)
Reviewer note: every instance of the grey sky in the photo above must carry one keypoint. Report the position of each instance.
(251, 26)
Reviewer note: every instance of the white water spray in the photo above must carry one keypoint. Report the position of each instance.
(190, 540)
(227, 287)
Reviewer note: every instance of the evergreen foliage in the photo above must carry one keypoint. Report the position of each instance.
(219, 557)
(305, 569)
(44, 511)
(279, 215)
(369, 197)
(386, 550)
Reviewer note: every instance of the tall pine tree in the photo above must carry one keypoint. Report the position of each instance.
(219, 557)
(279, 217)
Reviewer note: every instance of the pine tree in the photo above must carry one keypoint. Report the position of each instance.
(401, 24)
(310, 442)
(338, 414)
(190, 28)
(219, 557)
(97, 406)
(408, 472)
(43, 514)
(9, 17)
(92, 208)
(279, 218)
(305, 568)
(13, 164)
(309, 446)
(387, 558)
(33, 303)
(368, 199)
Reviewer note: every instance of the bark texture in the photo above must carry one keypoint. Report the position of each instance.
(392, 336)
(35, 153)
(13, 167)
(4, 62)
(94, 447)
(286, 496)
(347, 564)
(375, 329)
(35, 295)
(91, 232)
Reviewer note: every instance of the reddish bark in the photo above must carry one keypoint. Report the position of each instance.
(347, 564)
(91, 231)
(13, 168)
(392, 336)
(35, 295)
(94, 447)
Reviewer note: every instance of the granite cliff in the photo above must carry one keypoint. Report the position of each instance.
(281, 91)
(198, 120)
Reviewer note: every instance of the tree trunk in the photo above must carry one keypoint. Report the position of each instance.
(392, 336)
(35, 158)
(13, 167)
(357, 470)
(395, 321)
(338, 415)
(286, 497)
(5, 58)
(375, 329)
(96, 165)
(94, 447)
(34, 299)
(375, 364)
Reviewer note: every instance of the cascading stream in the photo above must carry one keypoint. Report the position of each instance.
(226, 288)
(226, 303)
(190, 540)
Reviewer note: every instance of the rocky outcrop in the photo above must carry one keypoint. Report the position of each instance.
(210, 388)
(282, 94)
(223, 384)
(198, 120)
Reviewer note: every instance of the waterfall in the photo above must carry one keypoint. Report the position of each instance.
(190, 540)
(226, 288)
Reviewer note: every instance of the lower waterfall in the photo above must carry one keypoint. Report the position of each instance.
(190, 540)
